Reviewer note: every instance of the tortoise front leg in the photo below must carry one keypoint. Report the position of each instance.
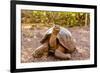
(60, 53)
(41, 51)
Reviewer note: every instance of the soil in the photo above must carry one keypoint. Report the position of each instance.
(31, 40)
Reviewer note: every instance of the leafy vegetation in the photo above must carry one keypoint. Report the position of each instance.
(48, 18)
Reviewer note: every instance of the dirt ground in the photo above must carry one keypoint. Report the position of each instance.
(31, 40)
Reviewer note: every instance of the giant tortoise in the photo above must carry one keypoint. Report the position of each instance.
(57, 41)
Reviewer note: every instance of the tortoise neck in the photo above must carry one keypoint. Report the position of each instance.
(53, 41)
(54, 35)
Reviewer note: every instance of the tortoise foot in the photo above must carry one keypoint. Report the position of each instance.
(62, 55)
(40, 51)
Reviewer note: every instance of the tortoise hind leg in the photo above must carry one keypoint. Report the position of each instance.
(60, 53)
(41, 51)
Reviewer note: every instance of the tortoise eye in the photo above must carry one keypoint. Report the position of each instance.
(56, 26)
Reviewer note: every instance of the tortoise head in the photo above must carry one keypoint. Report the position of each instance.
(56, 29)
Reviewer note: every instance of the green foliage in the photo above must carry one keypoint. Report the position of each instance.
(48, 18)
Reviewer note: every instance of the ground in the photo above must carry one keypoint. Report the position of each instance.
(31, 40)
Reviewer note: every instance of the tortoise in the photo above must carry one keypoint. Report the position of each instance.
(57, 41)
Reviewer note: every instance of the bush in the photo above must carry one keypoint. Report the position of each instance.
(48, 18)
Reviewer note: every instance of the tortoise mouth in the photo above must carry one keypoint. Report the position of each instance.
(56, 29)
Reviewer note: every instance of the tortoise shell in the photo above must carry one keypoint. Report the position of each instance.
(64, 37)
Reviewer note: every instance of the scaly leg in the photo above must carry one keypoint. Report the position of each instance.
(60, 53)
(41, 51)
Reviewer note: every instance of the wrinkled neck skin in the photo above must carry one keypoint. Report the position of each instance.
(53, 41)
